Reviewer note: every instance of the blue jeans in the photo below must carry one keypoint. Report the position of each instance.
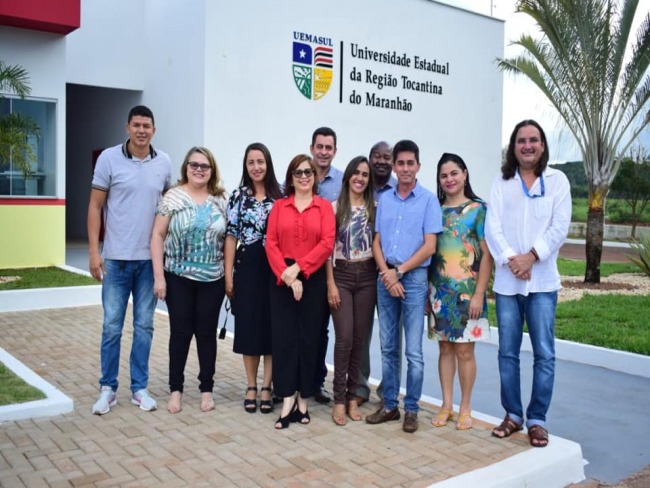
(538, 310)
(121, 279)
(411, 310)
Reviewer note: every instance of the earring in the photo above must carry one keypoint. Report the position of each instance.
(465, 182)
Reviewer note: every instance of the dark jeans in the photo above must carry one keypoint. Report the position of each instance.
(193, 311)
(356, 282)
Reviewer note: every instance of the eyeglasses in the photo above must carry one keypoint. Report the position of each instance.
(298, 173)
(201, 166)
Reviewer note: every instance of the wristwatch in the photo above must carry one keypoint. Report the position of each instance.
(399, 273)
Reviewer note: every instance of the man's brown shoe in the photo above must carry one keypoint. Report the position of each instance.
(360, 400)
(381, 416)
(410, 424)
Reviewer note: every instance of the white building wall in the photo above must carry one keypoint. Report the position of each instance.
(43, 56)
(251, 95)
(174, 63)
(110, 48)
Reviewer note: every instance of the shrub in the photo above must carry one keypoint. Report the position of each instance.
(642, 248)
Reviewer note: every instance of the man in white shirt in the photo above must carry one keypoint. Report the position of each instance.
(527, 222)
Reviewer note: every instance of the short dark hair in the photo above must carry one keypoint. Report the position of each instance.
(377, 146)
(295, 162)
(142, 111)
(510, 165)
(323, 131)
(404, 146)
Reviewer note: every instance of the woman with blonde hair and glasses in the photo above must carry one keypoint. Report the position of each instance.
(299, 240)
(187, 255)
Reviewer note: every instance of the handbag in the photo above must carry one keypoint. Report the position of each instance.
(238, 252)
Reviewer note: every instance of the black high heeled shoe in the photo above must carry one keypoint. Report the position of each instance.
(250, 405)
(286, 420)
(266, 406)
(299, 417)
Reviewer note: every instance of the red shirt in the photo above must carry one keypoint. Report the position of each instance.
(307, 236)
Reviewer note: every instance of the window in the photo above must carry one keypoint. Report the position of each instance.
(41, 180)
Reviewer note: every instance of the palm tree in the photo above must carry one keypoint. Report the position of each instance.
(15, 128)
(595, 73)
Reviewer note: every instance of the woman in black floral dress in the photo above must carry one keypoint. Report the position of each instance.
(247, 270)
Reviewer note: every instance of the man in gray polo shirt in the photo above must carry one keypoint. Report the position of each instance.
(128, 182)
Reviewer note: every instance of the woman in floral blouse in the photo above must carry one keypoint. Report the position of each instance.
(187, 258)
(247, 270)
(352, 283)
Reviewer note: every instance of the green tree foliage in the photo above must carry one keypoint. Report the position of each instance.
(15, 128)
(594, 70)
(632, 184)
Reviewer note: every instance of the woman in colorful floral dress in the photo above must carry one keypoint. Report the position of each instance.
(248, 272)
(458, 280)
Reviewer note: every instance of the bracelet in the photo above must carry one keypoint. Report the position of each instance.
(532, 250)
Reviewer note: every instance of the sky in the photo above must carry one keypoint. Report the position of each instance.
(522, 100)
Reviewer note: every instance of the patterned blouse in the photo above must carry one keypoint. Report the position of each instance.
(247, 216)
(194, 243)
(354, 241)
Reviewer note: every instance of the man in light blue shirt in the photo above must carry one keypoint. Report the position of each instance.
(330, 179)
(408, 219)
(323, 150)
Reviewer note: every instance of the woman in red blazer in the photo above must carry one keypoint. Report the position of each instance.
(300, 238)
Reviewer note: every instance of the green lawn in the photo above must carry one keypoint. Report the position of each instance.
(612, 321)
(43, 278)
(14, 390)
(615, 211)
(572, 267)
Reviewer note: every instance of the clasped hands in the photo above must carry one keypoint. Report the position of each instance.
(392, 283)
(290, 278)
(521, 264)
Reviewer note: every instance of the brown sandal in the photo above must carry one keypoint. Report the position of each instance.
(338, 414)
(352, 410)
(538, 436)
(506, 429)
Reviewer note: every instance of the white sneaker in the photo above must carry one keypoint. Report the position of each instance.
(106, 400)
(143, 400)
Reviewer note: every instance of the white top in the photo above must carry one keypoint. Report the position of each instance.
(515, 223)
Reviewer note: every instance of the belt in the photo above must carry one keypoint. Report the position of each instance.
(366, 263)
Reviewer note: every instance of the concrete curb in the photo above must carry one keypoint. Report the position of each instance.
(56, 402)
(621, 361)
(42, 298)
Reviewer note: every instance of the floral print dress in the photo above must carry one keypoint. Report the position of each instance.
(453, 273)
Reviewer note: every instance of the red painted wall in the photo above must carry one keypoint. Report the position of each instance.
(60, 16)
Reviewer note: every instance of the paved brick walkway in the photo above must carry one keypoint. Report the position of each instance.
(226, 447)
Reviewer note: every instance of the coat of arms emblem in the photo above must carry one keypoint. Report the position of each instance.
(312, 69)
